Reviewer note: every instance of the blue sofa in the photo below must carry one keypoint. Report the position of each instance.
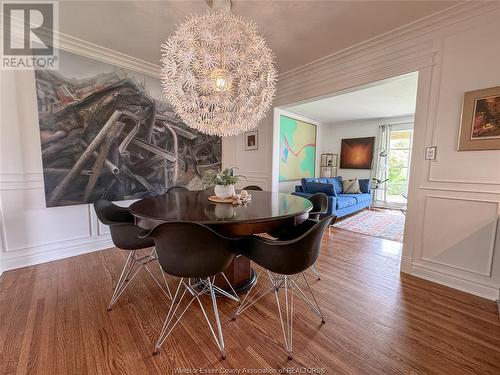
(339, 204)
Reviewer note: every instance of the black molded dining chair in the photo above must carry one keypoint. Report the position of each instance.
(285, 261)
(320, 207)
(125, 235)
(253, 187)
(192, 251)
(177, 188)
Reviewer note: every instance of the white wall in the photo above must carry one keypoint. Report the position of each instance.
(452, 228)
(333, 134)
(451, 233)
(30, 233)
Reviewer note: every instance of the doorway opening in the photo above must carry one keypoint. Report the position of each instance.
(365, 134)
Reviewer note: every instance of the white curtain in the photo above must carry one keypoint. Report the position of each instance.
(380, 170)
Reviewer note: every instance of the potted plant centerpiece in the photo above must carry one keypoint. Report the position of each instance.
(223, 182)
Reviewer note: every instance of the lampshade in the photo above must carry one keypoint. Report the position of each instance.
(218, 74)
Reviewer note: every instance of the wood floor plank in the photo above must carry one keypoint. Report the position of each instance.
(54, 320)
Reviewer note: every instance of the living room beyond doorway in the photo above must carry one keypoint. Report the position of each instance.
(361, 142)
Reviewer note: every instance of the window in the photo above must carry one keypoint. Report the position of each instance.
(398, 165)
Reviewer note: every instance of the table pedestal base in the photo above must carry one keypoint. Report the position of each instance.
(239, 274)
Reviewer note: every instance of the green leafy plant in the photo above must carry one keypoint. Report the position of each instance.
(225, 177)
(397, 176)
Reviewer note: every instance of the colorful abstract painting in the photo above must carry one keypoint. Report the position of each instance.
(297, 149)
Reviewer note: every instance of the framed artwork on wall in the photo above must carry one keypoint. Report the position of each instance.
(252, 140)
(357, 153)
(297, 149)
(107, 132)
(480, 124)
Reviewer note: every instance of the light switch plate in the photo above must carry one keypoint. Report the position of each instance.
(430, 153)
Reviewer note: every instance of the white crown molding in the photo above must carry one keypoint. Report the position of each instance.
(405, 49)
(415, 29)
(82, 47)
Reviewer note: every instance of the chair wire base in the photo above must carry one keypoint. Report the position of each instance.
(315, 271)
(232, 294)
(132, 266)
(289, 284)
(196, 290)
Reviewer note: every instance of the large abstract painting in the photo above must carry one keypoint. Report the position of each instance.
(357, 153)
(297, 149)
(108, 133)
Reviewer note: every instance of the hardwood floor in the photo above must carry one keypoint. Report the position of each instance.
(53, 320)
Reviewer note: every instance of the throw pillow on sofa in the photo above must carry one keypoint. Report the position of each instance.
(318, 187)
(351, 186)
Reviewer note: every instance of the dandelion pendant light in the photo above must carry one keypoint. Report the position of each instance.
(218, 73)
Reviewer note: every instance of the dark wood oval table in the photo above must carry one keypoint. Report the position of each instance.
(267, 211)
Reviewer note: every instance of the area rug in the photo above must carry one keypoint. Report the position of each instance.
(388, 224)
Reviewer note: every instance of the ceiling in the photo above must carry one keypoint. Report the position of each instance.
(394, 97)
(298, 31)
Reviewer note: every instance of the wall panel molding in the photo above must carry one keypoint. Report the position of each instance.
(47, 253)
(483, 289)
(459, 190)
(492, 241)
(421, 47)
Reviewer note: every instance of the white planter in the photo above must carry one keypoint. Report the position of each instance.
(224, 191)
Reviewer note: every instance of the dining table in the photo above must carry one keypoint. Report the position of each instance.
(266, 212)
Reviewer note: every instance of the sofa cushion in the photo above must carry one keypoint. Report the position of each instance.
(359, 197)
(364, 185)
(318, 187)
(337, 183)
(303, 183)
(345, 201)
(306, 180)
(351, 186)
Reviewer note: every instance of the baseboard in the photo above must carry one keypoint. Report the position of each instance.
(406, 263)
(33, 256)
(490, 292)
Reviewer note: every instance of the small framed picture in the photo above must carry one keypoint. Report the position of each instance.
(480, 125)
(252, 140)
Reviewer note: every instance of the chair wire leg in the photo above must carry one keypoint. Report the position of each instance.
(166, 288)
(232, 294)
(220, 339)
(231, 287)
(170, 315)
(247, 302)
(288, 330)
(249, 290)
(316, 272)
(289, 314)
(314, 298)
(217, 319)
(124, 278)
